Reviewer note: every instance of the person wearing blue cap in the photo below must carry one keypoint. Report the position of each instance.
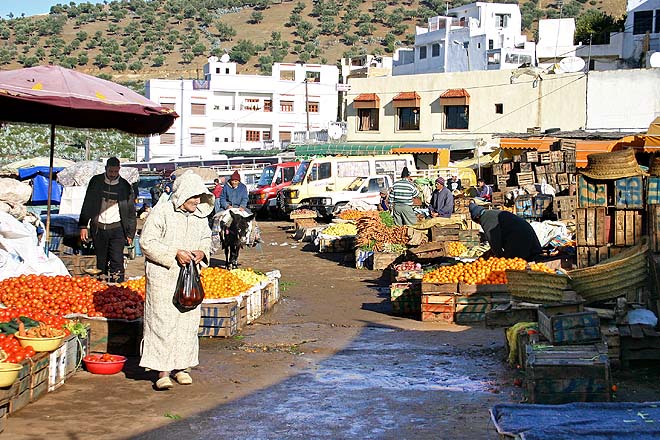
(509, 236)
(442, 200)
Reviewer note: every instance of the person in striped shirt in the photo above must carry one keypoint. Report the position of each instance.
(401, 199)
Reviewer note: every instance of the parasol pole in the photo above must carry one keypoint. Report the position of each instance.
(50, 184)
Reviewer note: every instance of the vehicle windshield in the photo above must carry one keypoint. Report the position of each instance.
(354, 185)
(267, 175)
(148, 182)
(300, 173)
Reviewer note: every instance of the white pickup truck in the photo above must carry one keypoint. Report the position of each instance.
(366, 189)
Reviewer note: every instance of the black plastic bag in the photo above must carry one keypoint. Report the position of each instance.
(189, 292)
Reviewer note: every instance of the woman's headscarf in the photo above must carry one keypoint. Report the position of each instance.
(190, 185)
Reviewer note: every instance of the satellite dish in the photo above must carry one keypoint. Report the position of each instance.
(224, 58)
(654, 61)
(334, 132)
(571, 64)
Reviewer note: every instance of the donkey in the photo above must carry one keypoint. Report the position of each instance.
(234, 237)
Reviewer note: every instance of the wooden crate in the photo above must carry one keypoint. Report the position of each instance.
(219, 319)
(629, 193)
(653, 190)
(438, 307)
(471, 309)
(334, 245)
(57, 367)
(592, 226)
(564, 207)
(469, 237)
(556, 167)
(556, 156)
(638, 343)
(540, 169)
(510, 313)
(571, 168)
(526, 167)
(562, 179)
(270, 295)
(530, 156)
(627, 227)
(78, 265)
(32, 381)
(540, 177)
(492, 290)
(524, 179)
(439, 288)
(569, 328)
(406, 299)
(564, 374)
(591, 193)
(383, 260)
(524, 206)
(567, 145)
(653, 226)
(543, 206)
(544, 158)
(445, 233)
(588, 256)
(502, 181)
(497, 198)
(116, 336)
(76, 349)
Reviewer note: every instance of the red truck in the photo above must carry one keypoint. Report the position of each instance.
(262, 200)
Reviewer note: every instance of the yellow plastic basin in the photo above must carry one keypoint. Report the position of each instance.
(40, 344)
(9, 373)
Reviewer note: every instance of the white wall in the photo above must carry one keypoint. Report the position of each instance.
(623, 99)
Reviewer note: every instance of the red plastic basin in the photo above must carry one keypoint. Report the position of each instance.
(94, 365)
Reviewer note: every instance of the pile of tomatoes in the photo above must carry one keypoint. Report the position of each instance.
(15, 352)
(490, 271)
(41, 295)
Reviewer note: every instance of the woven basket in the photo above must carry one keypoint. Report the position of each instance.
(614, 165)
(614, 277)
(538, 287)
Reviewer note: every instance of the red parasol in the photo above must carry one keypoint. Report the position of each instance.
(57, 96)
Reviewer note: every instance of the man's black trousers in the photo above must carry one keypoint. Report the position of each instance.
(109, 246)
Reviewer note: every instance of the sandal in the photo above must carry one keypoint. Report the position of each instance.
(164, 383)
(183, 378)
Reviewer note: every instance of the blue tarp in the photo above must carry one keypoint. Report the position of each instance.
(579, 421)
(28, 173)
(40, 191)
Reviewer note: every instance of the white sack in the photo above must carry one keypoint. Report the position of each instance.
(14, 191)
(547, 230)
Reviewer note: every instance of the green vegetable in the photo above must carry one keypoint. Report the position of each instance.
(77, 328)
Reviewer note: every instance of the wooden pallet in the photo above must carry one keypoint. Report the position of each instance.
(524, 179)
(627, 227)
(639, 342)
(593, 226)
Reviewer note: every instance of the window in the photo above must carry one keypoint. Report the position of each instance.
(286, 106)
(268, 105)
(494, 58)
(167, 138)
(169, 105)
(216, 107)
(198, 109)
(501, 20)
(393, 167)
(227, 71)
(367, 119)
(490, 45)
(285, 136)
(499, 109)
(252, 136)
(251, 104)
(657, 21)
(197, 139)
(216, 139)
(289, 172)
(353, 168)
(435, 50)
(642, 22)
(408, 118)
(313, 107)
(287, 75)
(313, 77)
(321, 171)
(266, 135)
(422, 52)
(456, 117)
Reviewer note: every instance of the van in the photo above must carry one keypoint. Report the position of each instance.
(273, 179)
(250, 174)
(334, 173)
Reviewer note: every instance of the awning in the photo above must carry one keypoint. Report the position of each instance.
(539, 144)
(366, 100)
(474, 163)
(356, 149)
(406, 99)
(455, 97)
(418, 150)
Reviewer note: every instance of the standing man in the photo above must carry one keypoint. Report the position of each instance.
(108, 218)
(454, 184)
(484, 192)
(509, 236)
(442, 200)
(156, 192)
(401, 198)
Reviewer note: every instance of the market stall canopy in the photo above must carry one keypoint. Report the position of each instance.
(39, 161)
(207, 174)
(57, 96)
(81, 173)
(648, 143)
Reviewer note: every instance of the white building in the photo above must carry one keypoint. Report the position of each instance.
(478, 36)
(227, 111)
(555, 41)
(631, 47)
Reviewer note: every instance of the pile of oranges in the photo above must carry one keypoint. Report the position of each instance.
(455, 248)
(138, 285)
(354, 214)
(221, 283)
(490, 271)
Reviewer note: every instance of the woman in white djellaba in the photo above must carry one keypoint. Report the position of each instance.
(176, 232)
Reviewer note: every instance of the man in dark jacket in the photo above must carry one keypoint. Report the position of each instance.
(108, 217)
(442, 200)
(509, 235)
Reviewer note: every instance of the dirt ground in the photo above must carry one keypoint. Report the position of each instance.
(329, 362)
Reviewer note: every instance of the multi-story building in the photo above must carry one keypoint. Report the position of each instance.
(633, 46)
(478, 36)
(228, 111)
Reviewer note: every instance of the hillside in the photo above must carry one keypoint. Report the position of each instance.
(133, 40)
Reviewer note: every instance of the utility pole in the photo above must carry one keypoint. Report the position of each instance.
(87, 149)
(307, 107)
(181, 120)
